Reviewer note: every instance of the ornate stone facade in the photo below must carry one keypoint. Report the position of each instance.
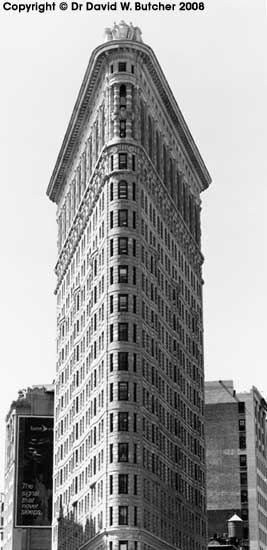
(129, 442)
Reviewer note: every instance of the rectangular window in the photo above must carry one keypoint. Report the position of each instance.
(123, 245)
(123, 515)
(135, 484)
(111, 247)
(111, 275)
(135, 453)
(135, 392)
(123, 421)
(111, 422)
(135, 422)
(123, 452)
(123, 330)
(134, 191)
(242, 442)
(123, 218)
(123, 360)
(134, 304)
(110, 515)
(134, 247)
(243, 478)
(111, 163)
(122, 128)
(111, 333)
(123, 273)
(123, 190)
(111, 453)
(123, 484)
(242, 424)
(123, 302)
(134, 362)
(111, 304)
(122, 67)
(241, 407)
(243, 461)
(135, 516)
(111, 191)
(111, 392)
(110, 485)
(134, 333)
(111, 219)
(111, 362)
(134, 275)
(122, 161)
(123, 391)
(134, 220)
(133, 163)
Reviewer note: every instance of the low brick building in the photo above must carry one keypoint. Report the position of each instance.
(236, 461)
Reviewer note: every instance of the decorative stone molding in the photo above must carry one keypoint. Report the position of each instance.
(122, 31)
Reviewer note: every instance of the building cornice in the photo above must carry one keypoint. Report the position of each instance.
(85, 96)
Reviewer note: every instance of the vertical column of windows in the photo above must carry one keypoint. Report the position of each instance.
(122, 111)
(142, 123)
(123, 300)
(117, 100)
(129, 109)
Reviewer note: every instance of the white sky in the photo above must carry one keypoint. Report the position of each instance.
(215, 62)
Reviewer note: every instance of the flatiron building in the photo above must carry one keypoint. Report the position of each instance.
(129, 470)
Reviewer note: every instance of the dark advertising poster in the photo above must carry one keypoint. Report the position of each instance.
(35, 467)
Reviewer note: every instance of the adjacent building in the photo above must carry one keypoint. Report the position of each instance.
(129, 471)
(236, 461)
(28, 470)
(2, 507)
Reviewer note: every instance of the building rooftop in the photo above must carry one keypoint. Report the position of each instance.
(25, 394)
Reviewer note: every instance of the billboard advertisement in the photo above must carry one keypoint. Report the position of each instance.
(34, 471)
